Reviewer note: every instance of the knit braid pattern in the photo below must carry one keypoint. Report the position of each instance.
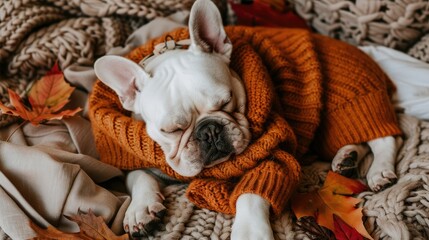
(34, 34)
(420, 50)
(399, 212)
(392, 23)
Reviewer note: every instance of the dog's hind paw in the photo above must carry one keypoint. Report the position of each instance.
(346, 165)
(143, 216)
(378, 181)
(347, 159)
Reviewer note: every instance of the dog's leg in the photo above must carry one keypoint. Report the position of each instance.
(252, 219)
(347, 159)
(146, 208)
(381, 174)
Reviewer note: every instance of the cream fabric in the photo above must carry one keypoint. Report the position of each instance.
(411, 77)
(43, 176)
(52, 170)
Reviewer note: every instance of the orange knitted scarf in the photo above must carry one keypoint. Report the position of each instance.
(304, 91)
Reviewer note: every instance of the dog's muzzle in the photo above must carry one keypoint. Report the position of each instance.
(213, 140)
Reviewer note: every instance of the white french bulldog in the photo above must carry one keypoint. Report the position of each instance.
(199, 121)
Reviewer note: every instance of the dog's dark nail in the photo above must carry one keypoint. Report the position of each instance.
(161, 213)
(150, 226)
(127, 228)
(139, 234)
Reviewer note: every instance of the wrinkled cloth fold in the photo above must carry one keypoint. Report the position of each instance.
(410, 76)
(45, 176)
(53, 170)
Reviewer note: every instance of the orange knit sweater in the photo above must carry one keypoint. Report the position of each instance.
(303, 91)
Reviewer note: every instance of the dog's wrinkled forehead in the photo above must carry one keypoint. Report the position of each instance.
(182, 83)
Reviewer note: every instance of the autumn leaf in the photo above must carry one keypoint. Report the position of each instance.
(344, 231)
(91, 227)
(335, 197)
(46, 97)
(52, 233)
(314, 230)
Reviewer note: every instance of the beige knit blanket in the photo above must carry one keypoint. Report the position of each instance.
(396, 24)
(36, 33)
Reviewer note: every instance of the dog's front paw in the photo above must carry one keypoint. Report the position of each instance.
(251, 230)
(252, 220)
(143, 215)
(380, 179)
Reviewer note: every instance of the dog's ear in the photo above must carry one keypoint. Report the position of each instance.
(206, 29)
(122, 75)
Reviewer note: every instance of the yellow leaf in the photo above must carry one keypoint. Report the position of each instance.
(46, 97)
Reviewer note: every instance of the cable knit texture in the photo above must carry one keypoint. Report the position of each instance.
(304, 91)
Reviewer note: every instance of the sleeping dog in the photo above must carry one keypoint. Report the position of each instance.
(200, 121)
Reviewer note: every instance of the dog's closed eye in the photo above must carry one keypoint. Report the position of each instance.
(171, 131)
(226, 101)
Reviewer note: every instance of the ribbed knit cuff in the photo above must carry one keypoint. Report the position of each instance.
(363, 119)
(273, 181)
(211, 194)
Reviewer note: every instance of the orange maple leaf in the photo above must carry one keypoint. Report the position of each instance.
(335, 197)
(46, 97)
(91, 227)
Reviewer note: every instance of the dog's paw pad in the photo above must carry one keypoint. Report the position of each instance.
(346, 163)
(380, 181)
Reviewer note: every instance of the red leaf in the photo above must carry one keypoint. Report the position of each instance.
(343, 231)
(54, 70)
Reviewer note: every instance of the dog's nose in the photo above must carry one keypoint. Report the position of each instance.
(208, 131)
(214, 141)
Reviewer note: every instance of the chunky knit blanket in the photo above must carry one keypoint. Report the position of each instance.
(394, 23)
(36, 33)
